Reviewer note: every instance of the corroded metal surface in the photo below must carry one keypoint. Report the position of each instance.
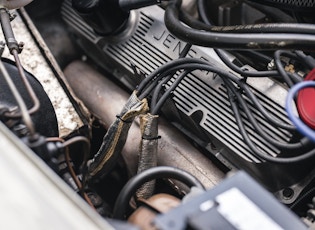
(34, 62)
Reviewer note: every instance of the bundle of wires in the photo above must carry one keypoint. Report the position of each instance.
(149, 126)
(115, 138)
(237, 89)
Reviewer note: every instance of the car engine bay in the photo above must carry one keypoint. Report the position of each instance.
(175, 114)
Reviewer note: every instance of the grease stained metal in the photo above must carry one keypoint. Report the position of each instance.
(34, 62)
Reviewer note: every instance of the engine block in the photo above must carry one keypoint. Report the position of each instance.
(200, 101)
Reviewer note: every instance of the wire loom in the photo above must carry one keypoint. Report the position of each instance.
(148, 151)
(116, 136)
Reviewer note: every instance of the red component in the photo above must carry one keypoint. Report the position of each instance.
(306, 102)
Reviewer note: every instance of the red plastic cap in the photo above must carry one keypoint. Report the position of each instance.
(306, 102)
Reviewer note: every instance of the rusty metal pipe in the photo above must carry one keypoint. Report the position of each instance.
(104, 99)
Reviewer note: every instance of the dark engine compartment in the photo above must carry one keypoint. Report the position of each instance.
(175, 94)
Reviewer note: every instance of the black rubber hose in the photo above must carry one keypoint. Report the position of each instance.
(302, 28)
(190, 21)
(160, 172)
(235, 40)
